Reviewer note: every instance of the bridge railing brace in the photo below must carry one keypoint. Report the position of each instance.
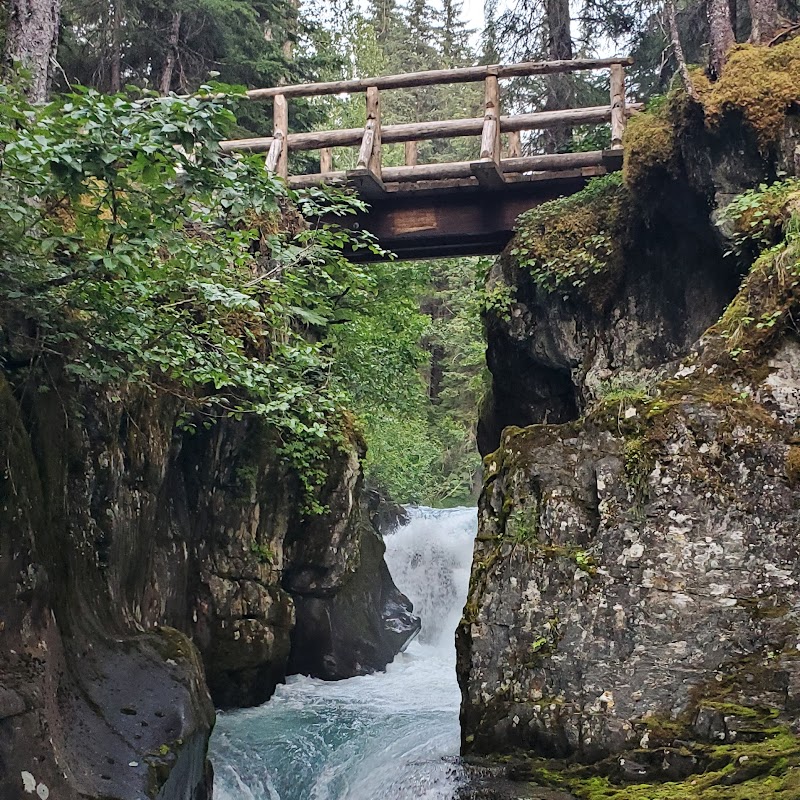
(490, 170)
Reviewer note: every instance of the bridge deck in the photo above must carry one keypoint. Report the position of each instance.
(457, 208)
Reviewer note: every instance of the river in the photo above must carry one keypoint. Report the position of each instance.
(393, 735)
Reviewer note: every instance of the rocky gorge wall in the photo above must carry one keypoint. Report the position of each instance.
(146, 571)
(634, 603)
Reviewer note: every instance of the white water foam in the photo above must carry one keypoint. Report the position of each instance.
(393, 735)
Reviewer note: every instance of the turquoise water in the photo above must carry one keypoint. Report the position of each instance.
(389, 736)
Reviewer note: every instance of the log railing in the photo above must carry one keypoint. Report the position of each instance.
(491, 169)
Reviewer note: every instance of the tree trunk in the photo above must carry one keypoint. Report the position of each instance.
(764, 14)
(720, 33)
(677, 48)
(115, 80)
(165, 84)
(31, 40)
(290, 29)
(559, 86)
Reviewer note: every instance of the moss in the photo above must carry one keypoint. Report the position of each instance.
(575, 242)
(761, 83)
(650, 151)
(792, 465)
(766, 607)
(764, 307)
(172, 644)
(742, 771)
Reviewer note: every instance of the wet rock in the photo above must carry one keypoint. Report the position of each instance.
(385, 514)
(488, 781)
(359, 629)
(141, 565)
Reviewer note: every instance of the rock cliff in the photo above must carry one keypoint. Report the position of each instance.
(634, 603)
(145, 570)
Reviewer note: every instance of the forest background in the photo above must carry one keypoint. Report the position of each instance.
(409, 361)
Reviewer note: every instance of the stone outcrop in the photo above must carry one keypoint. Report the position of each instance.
(625, 576)
(142, 565)
(634, 601)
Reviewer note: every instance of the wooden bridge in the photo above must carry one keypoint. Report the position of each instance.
(457, 208)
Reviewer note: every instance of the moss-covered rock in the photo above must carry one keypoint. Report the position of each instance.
(759, 83)
(632, 624)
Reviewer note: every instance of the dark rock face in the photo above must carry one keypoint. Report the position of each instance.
(358, 629)
(550, 358)
(635, 578)
(138, 560)
(92, 704)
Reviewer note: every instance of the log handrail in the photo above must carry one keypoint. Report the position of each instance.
(438, 76)
(465, 169)
(445, 129)
(490, 170)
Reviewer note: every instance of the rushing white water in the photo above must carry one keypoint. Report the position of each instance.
(389, 736)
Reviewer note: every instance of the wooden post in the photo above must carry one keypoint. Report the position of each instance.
(366, 177)
(374, 114)
(325, 160)
(514, 145)
(617, 105)
(487, 170)
(411, 154)
(490, 138)
(281, 131)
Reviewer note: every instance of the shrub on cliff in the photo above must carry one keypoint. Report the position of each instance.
(132, 251)
(574, 241)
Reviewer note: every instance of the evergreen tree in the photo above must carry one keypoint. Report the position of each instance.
(176, 46)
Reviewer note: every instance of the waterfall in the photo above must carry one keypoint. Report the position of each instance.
(392, 735)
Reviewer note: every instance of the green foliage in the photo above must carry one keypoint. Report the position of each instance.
(567, 242)
(523, 524)
(756, 218)
(498, 299)
(213, 35)
(413, 368)
(264, 554)
(763, 224)
(135, 252)
(624, 390)
(639, 463)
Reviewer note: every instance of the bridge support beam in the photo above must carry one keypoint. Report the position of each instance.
(456, 223)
